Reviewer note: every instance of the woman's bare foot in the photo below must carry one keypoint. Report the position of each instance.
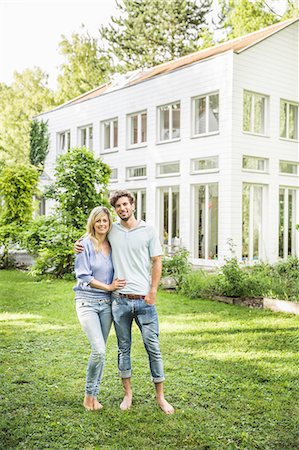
(97, 405)
(166, 407)
(127, 402)
(88, 402)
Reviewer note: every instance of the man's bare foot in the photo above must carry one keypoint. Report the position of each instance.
(166, 407)
(88, 402)
(96, 405)
(126, 403)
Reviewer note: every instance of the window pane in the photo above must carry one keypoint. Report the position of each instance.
(213, 222)
(245, 222)
(164, 123)
(143, 127)
(106, 135)
(247, 111)
(287, 167)
(201, 221)
(165, 217)
(134, 129)
(257, 220)
(293, 122)
(283, 119)
(83, 137)
(176, 121)
(200, 115)
(62, 141)
(165, 169)
(213, 112)
(90, 138)
(281, 222)
(113, 174)
(259, 114)
(115, 133)
(206, 163)
(252, 163)
(175, 215)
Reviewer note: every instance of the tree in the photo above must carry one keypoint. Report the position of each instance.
(86, 66)
(151, 32)
(18, 185)
(39, 143)
(81, 184)
(28, 96)
(239, 17)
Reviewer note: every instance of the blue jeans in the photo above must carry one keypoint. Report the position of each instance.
(95, 318)
(124, 311)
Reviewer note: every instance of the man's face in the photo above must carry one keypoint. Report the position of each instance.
(124, 209)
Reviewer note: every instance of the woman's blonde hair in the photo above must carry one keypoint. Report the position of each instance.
(97, 212)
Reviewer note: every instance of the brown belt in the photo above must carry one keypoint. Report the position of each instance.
(132, 296)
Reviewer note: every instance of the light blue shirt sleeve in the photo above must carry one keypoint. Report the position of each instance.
(155, 248)
(83, 269)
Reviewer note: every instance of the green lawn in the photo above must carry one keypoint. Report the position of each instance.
(232, 375)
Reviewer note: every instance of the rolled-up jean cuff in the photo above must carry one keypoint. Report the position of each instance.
(158, 380)
(125, 373)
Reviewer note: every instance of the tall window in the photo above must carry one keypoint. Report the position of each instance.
(86, 137)
(63, 142)
(252, 221)
(287, 222)
(140, 204)
(170, 217)
(137, 129)
(254, 113)
(206, 221)
(169, 121)
(288, 120)
(205, 114)
(109, 130)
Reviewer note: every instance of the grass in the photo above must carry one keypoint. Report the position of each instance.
(232, 375)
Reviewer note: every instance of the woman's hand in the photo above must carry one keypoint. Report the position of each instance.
(78, 247)
(118, 283)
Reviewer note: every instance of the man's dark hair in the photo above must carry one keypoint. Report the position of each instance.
(118, 194)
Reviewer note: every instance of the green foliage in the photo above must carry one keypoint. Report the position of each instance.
(17, 188)
(199, 284)
(81, 184)
(28, 96)
(39, 143)
(147, 33)
(86, 66)
(176, 266)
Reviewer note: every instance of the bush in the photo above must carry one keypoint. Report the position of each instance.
(199, 284)
(176, 266)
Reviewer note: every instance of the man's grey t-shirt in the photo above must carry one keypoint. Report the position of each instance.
(132, 250)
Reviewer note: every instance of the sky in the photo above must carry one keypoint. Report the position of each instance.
(30, 31)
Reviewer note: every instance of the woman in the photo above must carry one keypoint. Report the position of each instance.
(94, 273)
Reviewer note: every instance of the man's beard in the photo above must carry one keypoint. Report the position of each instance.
(125, 219)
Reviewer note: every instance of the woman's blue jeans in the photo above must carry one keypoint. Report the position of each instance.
(124, 311)
(95, 318)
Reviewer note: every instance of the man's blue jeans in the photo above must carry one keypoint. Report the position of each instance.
(95, 318)
(124, 311)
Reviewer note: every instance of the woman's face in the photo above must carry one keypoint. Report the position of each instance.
(101, 225)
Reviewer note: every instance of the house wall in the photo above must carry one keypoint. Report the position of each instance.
(271, 68)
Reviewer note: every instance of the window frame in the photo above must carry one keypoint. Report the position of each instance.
(207, 109)
(197, 171)
(112, 148)
(172, 174)
(288, 103)
(66, 134)
(171, 138)
(139, 142)
(286, 173)
(141, 177)
(266, 170)
(89, 140)
(251, 131)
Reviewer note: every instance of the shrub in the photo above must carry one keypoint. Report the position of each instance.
(199, 284)
(176, 266)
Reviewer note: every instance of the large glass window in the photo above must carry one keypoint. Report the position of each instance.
(109, 134)
(140, 204)
(63, 142)
(169, 122)
(289, 120)
(288, 167)
(86, 137)
(252, 222)
(205, 114)
(206, 221)
(287, 222)
(137, 128)
(254, 113)
(170, 217)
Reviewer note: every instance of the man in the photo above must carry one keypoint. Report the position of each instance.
(136, 255)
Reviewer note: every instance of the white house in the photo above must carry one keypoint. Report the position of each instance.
(208, 143)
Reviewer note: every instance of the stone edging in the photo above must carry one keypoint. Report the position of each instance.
(263, 303)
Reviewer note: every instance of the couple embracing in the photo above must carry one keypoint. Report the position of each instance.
(118, 269)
